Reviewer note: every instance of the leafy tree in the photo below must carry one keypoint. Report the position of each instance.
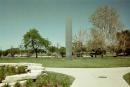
(62, 51)
(0, 53)
(5, 53)
(34, 41)
(52, 49)
(107, 22)
(12, 51)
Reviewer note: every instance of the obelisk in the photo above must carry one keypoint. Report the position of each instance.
(69, 37)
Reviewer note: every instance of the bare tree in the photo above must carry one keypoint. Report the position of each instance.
(107, 21)
(96, 41)
(79, 42)
(123, 40)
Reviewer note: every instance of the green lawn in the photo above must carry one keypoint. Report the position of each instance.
(74, 63)
(127, 78)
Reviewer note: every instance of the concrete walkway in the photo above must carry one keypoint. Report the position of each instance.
(95, 77)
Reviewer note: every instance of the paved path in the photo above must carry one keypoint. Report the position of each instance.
(95, 77)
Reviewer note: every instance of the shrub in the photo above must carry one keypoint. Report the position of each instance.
(5, 53)
(0, 53)
(29, 83)
(6, 85)
(21, 69)
(17, 84)
(54, 80)
(42, 80)
(11, 70)
(2, 73)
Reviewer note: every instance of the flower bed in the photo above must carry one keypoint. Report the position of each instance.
(11, 73)
(36, 77)
(51, 79)
(8, 70)
(48, 79)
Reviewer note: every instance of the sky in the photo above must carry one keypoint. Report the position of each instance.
(49, 18)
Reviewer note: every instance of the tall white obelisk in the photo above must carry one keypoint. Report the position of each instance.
(69, 37)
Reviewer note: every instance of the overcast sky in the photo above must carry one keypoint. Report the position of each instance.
(49, 16)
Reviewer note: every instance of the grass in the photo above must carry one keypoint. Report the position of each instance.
(127, 78)
(10, 70)
(74, 63)
(51, 79)
(48, 79)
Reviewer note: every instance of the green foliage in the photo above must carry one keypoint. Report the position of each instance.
(10, 70)
(34, 35)
(2, 73)
(75, 63)
(0, 53)
(5, 53)
(52, 49)
(51, 80)
(17, 84)
(6, 85)
(34, 41)
(29, 83)
(21, 69)
(62, 51)
(13, 51)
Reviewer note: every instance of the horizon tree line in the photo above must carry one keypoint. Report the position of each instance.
(107, 33)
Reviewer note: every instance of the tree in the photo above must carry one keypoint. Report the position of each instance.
(5, 53)
(96, 40)
(62, 51)
(52, 49)
(12, 51)
(34, 41)
(0, 53)
(123, 38)
(107, 22)
(79, 43)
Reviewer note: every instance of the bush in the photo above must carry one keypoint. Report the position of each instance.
(5, 53)
(11, 70)
(0, 53)
(51, 80)
(42, 80)
(2, 73)
(29, 83)
(17, 84)
(20, 69)
(54, 80)
(6, 85)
